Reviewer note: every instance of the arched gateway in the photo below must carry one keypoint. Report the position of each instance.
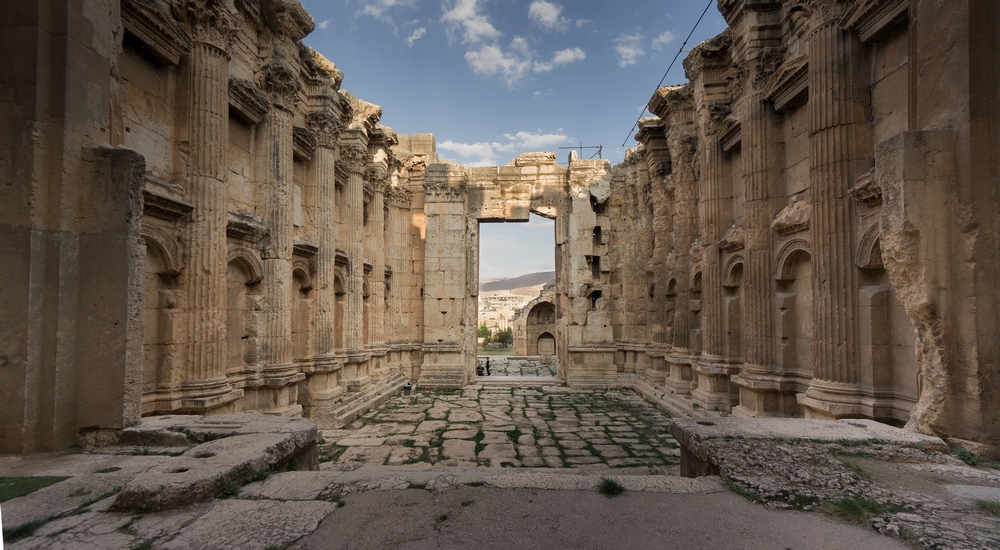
(456, 201)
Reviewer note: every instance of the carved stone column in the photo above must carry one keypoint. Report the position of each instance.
(839, 134)
(651, 135)
(204, 385)
(323, 387)
(354, 152)
(761, 153)
(378, 179)
(275, 170)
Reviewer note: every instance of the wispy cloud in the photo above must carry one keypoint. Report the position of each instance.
(417, 34)
(485, 153)
(548, 16)
(629, 47)
(464, 15)
(380, 8)
(323, 25)
(664, 38)
(562, 57)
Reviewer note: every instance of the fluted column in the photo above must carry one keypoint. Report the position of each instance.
(354, 152)
(326, 128)
(275, 172)
(651, 135)
(838, 133)
(204, 382)
(377, 220)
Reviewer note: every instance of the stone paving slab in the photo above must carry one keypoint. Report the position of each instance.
(485, 425)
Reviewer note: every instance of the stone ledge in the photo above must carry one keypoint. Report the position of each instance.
(235, 446)
(697, 458)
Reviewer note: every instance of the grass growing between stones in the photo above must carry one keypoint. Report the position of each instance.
(991, 507)
(609, 487)
(744, 492)
(855, 468)
(13, 487)
(859, 509)
(966, 456)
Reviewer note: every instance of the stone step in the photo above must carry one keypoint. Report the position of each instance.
(374, 394)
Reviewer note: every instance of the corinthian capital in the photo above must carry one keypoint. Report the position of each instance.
(212, 22)
(356, 157)
(280, 79)
(325, 127)
(378, 176)
(822, 11)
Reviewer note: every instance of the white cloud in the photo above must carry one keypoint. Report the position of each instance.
(562, 57)
(510, 65)
(379, 8)
(629, 48)
(417, 34)
(464, 15)
(323, 25)
(488, 153)
(548, 16)
(661, 41)
(581, 22)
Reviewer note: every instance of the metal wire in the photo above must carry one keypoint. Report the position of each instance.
(677, 55)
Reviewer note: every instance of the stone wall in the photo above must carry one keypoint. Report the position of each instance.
(822, 204)
(195, 218)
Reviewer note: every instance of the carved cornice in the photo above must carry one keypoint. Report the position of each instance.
(378, 177)
(870, 18)
(303, 143)
(650, 128)
(790, 82)
(730, 134)
(670, 99)
(325, 127)
(246, 101)
(151, 23)
(320, 70)
(793, 218)
(733, 10)
(165, 208)
(212, 22)
(710, 54)
(867, 190)
(340, 173)
(305, 249)
(363, 114)
(247, 228)
(287, 18)
(355, 157)
(341, 259)
(733, 239)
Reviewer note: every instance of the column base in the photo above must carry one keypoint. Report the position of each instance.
(831, 400)
(680, 379)
(765, 395)
(591, 366)
(714, 391)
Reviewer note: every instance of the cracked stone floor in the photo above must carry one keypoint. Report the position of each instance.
(498, 425)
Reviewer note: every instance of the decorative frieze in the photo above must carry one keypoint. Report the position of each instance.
(303, 143)
(867, 190)
(165, 208)
(789, 84)
(151, 23)
(732, 240)
(246, 227)
(871, 18)
(793, 218)
(246, 101)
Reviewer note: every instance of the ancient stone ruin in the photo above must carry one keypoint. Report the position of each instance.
(196, 218)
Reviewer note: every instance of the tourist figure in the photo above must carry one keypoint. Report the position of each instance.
(488, 367)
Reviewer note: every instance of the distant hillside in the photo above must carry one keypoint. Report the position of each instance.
(531, 279)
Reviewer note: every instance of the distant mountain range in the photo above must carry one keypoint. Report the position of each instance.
(531, 279)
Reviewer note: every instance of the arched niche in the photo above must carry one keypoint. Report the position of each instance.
(732, 273)
(165, 247)
(869, 253)
(249, 261)
(788, 257)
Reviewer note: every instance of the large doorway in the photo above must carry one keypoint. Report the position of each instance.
(516, 295)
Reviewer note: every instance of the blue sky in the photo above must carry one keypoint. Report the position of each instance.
(495, 78)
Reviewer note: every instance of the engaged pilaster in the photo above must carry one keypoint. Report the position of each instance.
(838, 135)
(212, 28)
(354, 153)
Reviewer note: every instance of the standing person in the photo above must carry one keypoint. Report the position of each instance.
(488, 367)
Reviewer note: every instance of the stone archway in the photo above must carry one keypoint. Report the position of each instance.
(456, 201)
